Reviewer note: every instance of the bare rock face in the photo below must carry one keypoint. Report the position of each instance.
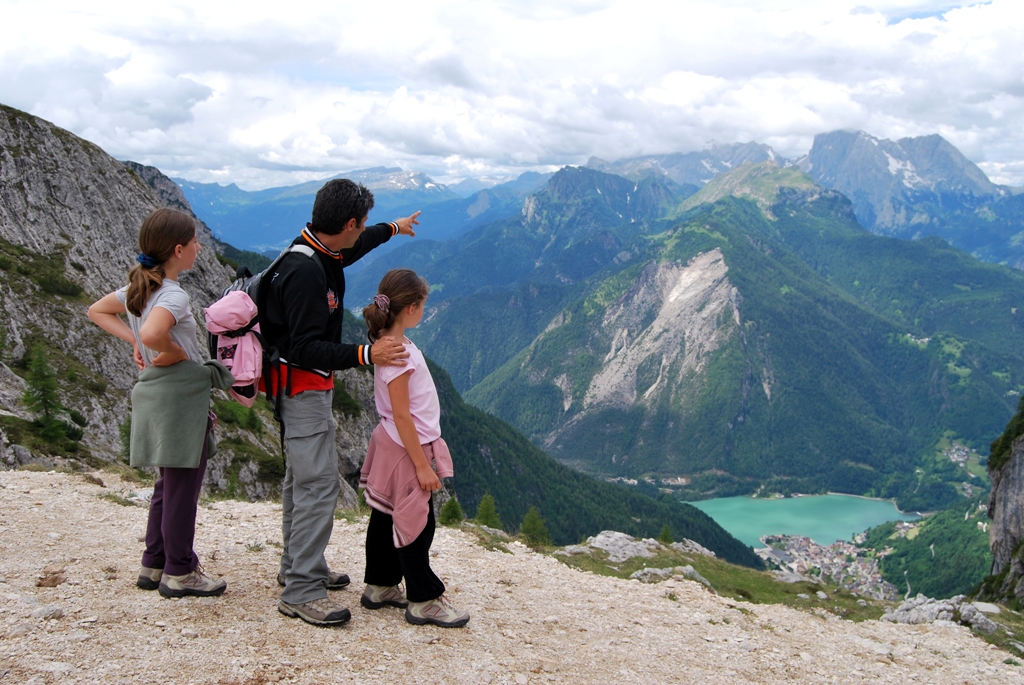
(1006, 509)
(671, 318)
(69, 221)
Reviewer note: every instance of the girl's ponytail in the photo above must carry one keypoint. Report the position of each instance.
(162, 231)
(397, 290)
(142, 283)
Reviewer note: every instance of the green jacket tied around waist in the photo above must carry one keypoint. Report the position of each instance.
(170, 407)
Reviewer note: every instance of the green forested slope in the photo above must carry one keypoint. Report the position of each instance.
(857, 396)
(946, 555)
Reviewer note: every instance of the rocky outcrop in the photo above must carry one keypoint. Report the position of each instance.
(619, 547)
(1006, 509)
(923, 609)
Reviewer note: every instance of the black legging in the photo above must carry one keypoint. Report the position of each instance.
(386, 565)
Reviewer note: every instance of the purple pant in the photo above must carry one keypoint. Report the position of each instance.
(172, 518)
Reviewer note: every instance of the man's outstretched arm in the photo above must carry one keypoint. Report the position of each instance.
(375, 236)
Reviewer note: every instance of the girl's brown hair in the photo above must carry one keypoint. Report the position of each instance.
(400, 288)
(162, 231)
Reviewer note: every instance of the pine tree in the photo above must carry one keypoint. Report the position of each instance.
(252, 421)
(41, 395)
(534, 529)
(451, 513)
(486, 514)
(665, 536)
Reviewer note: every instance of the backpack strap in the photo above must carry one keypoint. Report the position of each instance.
(272, 356)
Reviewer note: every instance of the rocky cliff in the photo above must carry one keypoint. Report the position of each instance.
(1006, 509)
(69, 219)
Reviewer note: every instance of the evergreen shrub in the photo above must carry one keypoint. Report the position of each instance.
(451, 513)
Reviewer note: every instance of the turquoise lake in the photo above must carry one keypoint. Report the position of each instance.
(823, 518)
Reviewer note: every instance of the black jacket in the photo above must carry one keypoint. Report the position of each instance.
(304, 313)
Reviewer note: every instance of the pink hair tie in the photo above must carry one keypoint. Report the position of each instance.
(383, 303)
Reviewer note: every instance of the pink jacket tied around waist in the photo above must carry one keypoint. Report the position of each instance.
(389, 477)
(242, 355)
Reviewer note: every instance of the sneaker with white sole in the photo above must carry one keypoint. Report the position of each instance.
(196, 584)
(377, 596)
(438, 612)
(335, 581)
(149, 578)
(319, 612)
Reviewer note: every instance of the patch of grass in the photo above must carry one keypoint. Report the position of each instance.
(130, 474)
(96, 386)
(361, 510)
(738, 582)
(30, 434)
(45, 270)
(487, 540)
(1011, 626)
(254, 547)
(57, 284)
(270, 468)
(350, 515)
(116, 499)
(35, 468)
(231, 412)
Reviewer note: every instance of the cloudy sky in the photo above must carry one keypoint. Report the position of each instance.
(266, 94)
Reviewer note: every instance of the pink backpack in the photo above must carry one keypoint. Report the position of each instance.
(235, 342)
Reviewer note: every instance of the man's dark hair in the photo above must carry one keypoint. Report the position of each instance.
(338, 201)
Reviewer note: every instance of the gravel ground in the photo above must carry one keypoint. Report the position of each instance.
(534, 619)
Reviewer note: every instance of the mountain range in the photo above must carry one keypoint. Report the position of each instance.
(266, 220)
(750, 335)
(909, 188)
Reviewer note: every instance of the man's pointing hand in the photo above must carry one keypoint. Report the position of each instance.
(405, 225)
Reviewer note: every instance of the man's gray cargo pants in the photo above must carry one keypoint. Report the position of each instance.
(309, 494)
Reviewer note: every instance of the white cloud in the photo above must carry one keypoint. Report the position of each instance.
(266, 94)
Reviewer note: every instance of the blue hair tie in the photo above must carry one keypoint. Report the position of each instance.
(147, 261)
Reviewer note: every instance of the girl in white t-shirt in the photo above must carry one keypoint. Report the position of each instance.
(162, 332)
(403, 464)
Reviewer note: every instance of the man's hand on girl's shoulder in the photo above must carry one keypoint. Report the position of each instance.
(388, 352)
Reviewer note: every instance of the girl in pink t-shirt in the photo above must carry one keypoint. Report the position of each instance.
(403, 464)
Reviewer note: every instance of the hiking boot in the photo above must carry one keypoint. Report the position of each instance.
(196, 584)
(437, 611)
(319, 612)
(377, 596)
(149, 578)
(335, 581)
